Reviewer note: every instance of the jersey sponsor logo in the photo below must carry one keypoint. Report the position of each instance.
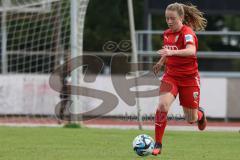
(171, 47)
(189, 38)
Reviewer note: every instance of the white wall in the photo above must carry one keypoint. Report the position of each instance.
(32, 95)
(26, 95)
(214, 96)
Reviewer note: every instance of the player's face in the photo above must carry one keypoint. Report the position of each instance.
(173, 20)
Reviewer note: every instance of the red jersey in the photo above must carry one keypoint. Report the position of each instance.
(176, 66)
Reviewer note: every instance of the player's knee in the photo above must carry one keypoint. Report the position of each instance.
(163, 107)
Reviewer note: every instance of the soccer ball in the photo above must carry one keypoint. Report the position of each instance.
(143, 145)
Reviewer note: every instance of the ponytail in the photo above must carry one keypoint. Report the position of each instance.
(192, 16)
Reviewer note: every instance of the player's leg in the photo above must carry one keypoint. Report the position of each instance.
(191, 114)
(196, 115)
(189, 99)
(165, 101)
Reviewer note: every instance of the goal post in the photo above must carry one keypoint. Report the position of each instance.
(77, 26)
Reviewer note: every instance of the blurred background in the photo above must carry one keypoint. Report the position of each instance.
(38, 36)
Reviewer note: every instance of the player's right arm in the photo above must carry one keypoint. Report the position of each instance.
(157, 67)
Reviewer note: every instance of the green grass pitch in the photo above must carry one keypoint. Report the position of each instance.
(18, 143)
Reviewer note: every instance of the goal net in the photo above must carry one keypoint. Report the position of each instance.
(36, 37)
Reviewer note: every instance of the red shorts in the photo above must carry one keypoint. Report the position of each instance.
(187, 88)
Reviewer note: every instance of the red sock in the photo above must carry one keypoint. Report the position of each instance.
(160, 125)
(200, 115)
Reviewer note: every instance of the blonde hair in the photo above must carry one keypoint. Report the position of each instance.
(192, 16)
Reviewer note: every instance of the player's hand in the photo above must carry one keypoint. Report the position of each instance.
(165, 52)
(156, 68)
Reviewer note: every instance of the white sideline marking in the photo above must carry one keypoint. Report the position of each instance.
(169, 128)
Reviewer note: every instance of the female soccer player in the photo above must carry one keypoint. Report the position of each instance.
(181, 68)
